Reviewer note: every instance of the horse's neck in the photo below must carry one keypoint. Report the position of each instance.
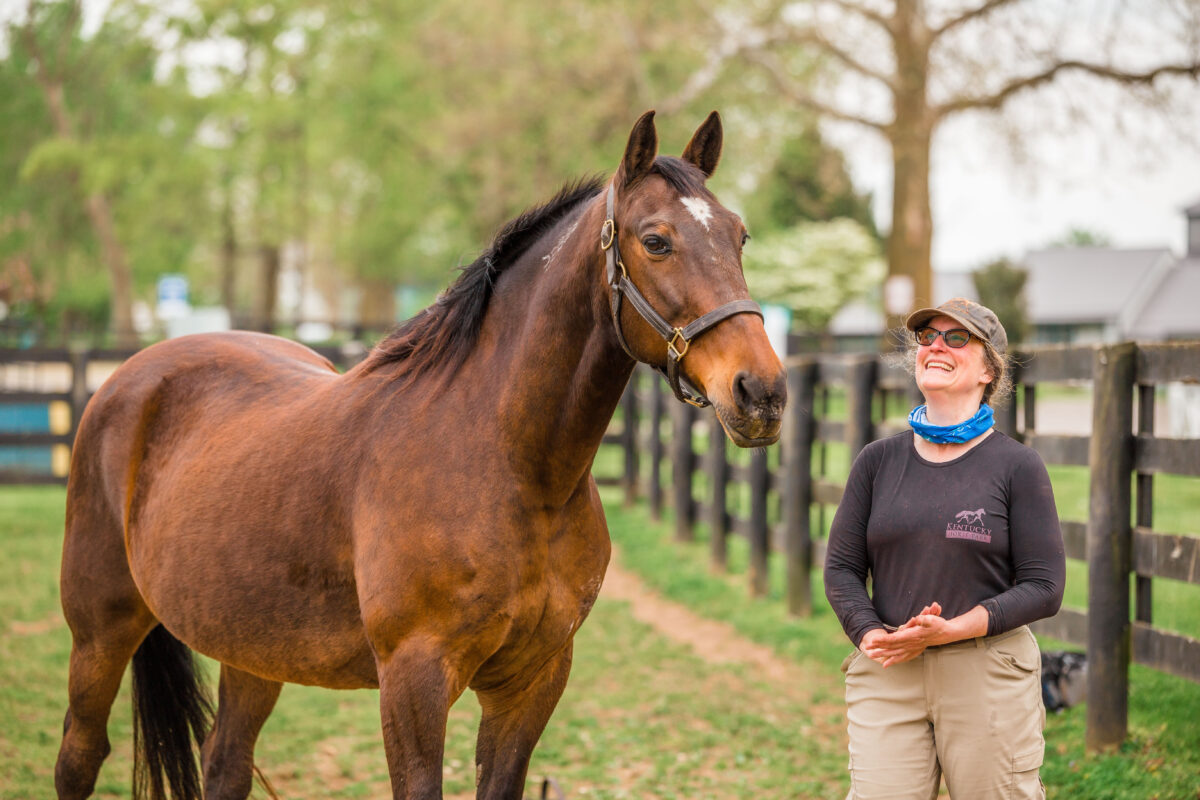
(564, 371)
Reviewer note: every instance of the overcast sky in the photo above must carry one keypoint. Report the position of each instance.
(988, 203)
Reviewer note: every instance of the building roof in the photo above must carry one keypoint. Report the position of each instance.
(1142, 293)
(1173, 310)
(1080, 285)
(863, 317)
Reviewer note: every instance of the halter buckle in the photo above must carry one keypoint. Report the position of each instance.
(674, 351)
(608, 233)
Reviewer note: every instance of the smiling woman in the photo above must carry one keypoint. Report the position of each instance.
(957, 527)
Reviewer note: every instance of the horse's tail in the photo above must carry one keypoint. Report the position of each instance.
(171, 711)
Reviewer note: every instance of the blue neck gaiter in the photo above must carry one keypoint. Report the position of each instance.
(951, 434)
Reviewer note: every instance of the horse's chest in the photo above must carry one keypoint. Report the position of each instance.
(548, 610)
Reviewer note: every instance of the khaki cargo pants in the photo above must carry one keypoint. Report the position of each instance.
(971, 710)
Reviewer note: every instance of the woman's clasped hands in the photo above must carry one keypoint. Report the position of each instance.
(910, 639)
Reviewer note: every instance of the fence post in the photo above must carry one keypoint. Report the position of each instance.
(629, 439)
(79, 389)
(860, 388)
(718, 478)
(797, 484)
(682, 414)
(654, 491)
(760, 533)
(1110, 457)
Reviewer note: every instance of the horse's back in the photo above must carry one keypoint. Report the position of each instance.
(206, 362)
(175, 385)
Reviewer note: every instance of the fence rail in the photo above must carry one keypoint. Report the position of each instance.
(777, 497)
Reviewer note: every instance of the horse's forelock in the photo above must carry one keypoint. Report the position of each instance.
(683, 176)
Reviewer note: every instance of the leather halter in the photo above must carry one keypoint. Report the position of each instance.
(678, 339)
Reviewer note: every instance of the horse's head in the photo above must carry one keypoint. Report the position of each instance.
(678, 296)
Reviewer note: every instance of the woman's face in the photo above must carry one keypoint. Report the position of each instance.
(951, 371)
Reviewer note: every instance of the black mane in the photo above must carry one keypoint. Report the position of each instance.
(442, 335)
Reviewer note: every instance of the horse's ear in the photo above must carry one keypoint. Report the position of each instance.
(704, 150)
(641, 149)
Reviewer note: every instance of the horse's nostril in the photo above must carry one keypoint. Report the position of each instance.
(747, 390)
(753, 395)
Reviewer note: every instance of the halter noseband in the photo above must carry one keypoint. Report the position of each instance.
(678, 339)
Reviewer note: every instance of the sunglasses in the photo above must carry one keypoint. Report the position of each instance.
(955, 337)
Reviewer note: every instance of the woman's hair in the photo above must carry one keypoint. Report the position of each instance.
(999, 365)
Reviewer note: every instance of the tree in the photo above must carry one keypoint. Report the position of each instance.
(1079, 237)
(48, 61)
(367, 144)
(916, 66)
(96, 164)
(807, 182)
(1001, 287)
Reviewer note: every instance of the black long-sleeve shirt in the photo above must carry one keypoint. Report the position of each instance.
(981, 529)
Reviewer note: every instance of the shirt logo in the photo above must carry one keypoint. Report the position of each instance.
(969, 525)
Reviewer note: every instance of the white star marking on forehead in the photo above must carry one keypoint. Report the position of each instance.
(698, 208)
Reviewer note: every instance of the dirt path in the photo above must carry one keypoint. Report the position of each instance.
(715, 642)
(719, 643)
(763, 683)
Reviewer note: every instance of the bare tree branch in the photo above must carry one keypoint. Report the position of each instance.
(747, 43)
(865, 13)
(815, 38)
(805, 99)
(733, 45)
(999, 98)
(974, 13)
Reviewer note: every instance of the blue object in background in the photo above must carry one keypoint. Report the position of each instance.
(26, 418)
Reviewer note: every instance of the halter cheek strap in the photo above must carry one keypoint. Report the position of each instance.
(678, 339)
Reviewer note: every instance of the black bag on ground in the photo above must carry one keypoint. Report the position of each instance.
(1064, 679)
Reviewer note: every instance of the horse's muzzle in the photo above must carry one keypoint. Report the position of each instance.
(756, 414)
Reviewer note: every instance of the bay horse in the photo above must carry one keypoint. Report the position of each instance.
(424, 523)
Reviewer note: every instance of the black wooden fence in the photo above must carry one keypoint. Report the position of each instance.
(66, 378)
(783, 493)
(778, 498)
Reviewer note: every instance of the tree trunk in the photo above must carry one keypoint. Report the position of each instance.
(268, 287)
(228, 249)
(910, 242)
(910, 134)
(119, 273)
(378, 308)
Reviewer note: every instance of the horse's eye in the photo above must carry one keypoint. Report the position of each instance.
(656, 245)
(745, 238)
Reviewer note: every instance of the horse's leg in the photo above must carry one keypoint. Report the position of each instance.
(416, 690)
(108, 620)
(244, 703)
(97, 665)
(514, 717)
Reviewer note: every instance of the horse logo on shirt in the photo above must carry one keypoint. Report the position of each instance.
(969, 525)
(970, 517)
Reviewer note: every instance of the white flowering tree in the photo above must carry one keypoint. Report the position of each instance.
(814, 268)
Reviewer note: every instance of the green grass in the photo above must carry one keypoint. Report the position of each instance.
(642, 717)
